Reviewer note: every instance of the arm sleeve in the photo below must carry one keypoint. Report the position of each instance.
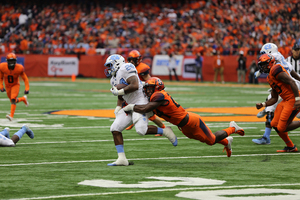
(25, 79)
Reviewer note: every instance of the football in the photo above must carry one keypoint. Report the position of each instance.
(120, 86)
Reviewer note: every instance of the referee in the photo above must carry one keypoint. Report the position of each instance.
(295, 58)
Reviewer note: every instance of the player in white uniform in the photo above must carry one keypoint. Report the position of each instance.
(6, 141)
(269, 111)
(125, 73)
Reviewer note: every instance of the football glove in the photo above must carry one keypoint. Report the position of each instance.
(128, 108)
(117, 109)
(117, 92)
(3, 90)
(26, 92)
(257, 74)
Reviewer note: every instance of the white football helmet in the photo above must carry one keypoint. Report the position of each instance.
(113, 63)
(269, 48)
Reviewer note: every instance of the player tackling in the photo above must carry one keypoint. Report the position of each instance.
(125, 73)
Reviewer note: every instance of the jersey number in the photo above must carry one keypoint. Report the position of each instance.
(10, 79)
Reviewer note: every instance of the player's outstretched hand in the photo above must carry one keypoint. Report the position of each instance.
(3, 90)
(259, 106)
(26, 92)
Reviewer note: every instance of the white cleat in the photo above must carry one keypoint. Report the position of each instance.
(238, 129)
(9, 117)
(26, 101)
(168, 133)
(119, 162)
(228, 147)
(261, 114)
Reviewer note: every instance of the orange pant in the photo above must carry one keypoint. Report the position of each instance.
(197, 129)
(13, 91)
(284, 115)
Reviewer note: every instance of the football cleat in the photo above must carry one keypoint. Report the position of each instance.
(9, 117)
(130, 127)
(119, 162)
(238, 129)
(168, 133)
(289, 149)
(29, 132)
(261, 114)
(5, 132)
(228, 147)
(26, 101)
(263, 140)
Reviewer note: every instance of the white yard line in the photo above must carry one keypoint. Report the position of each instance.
(158, 190)
(160, 158)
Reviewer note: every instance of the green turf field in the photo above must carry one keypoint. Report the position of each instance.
(68, 157)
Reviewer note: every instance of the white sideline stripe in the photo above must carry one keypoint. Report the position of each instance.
(158, 190)
(161, 158)
(156, 138)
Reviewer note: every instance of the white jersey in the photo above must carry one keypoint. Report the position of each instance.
(125, 71)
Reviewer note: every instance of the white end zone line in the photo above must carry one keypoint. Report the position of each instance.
(158, 190)
(161, 158)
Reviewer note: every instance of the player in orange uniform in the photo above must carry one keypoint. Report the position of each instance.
(284, 85)
(11, 71)
(143, 70)
(190, 124)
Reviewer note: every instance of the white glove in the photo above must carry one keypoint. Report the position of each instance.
(117, 109)
(257, 74)
(129, 108)
(117, 92)
(143, 83)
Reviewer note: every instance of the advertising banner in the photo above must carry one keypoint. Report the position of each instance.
(62, 66)
(160, 65)
(189, 67)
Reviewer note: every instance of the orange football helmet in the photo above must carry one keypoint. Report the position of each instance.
(11, 59)
(134, 57)
(265, 62)
(152, 85)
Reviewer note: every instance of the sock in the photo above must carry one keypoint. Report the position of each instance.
(160, 131)
(286, 139)
(5, 133)
(224, 142)
(267, 132)
(21, 132)
(20, 99)
(229, 130)
(120, 148)
(12, 109)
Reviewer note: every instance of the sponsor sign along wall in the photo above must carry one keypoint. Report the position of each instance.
(62, 66)
(160, 65)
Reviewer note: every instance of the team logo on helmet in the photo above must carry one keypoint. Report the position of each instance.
(265, 62)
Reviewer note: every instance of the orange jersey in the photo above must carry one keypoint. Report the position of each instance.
(11, 77)
(170, 111)
(142, 69)
(284, 90)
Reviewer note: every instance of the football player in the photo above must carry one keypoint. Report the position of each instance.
(284, 85)
(272, 49)
(10, 72)
(125, 73)
(143, 71)
(190, 124)
(6, 141)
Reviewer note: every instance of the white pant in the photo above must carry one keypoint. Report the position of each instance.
(5, 142)
(123, 120)
(273, 107)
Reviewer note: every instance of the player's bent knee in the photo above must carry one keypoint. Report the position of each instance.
(141, 130)
(13, 101)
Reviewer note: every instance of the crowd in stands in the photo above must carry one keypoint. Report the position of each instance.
(154, 27)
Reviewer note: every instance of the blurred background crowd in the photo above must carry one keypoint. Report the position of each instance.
(152, 27)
